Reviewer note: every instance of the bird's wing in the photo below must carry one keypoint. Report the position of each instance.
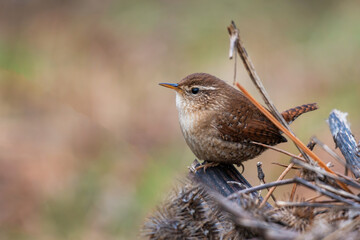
(245, 123)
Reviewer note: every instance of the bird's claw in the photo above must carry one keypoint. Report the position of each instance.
(207, 165)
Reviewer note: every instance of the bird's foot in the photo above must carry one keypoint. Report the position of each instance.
(207, 165)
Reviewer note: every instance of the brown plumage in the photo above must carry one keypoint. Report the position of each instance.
(218, 122)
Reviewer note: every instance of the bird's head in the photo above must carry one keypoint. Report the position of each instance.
(199, 92)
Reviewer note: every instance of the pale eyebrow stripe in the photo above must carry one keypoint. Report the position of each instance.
(208, 88)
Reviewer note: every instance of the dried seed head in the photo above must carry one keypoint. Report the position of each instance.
(187, 213)
(295, 218)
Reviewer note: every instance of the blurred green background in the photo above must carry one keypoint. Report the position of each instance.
(90, 144)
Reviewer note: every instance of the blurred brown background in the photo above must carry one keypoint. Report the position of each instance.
(89, 143)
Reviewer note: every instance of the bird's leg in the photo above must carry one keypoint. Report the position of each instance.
(207, 165)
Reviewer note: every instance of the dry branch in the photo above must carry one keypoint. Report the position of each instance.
(345, 141)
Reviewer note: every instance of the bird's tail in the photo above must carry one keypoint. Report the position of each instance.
(291, 114)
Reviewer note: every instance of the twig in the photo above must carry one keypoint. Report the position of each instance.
(332, 153)
(327, 201)
(235, 68)
(346, 177)
(313, 205)
(278, 150)
(329, 150)
(234, 38)
(233, 41)
(263, 186)
(313, 198)
(284, 166)
(261, 174)
(261, 177)
(310, 146)
(293, 190)
(237, 183)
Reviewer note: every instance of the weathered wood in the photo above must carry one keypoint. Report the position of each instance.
(221, 179)
(344, 140)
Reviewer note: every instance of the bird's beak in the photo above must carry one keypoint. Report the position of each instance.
(170, 85)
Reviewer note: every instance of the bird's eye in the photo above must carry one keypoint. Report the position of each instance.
(195, 90)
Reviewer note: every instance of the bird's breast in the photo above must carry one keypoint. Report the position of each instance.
(187, 118)
(188, 123)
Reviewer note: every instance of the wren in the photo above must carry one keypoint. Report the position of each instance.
(219, 123)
